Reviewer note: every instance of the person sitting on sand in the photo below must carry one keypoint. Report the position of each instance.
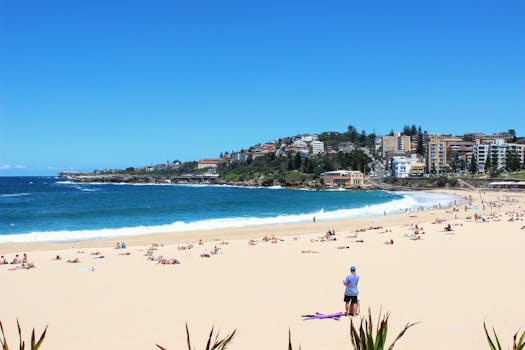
(73, 261)
(448, 228)
(24, 259)
(57, 258)
(215, 250)
(16, 260)
(123, 245)
(3, 261)
(118, 246)
(201, 242)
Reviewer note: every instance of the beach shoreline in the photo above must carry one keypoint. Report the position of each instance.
(237, 233)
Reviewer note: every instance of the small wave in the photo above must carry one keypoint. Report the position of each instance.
(410, 200)
(14, 194)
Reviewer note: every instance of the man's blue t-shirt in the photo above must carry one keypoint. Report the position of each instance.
(351, 285)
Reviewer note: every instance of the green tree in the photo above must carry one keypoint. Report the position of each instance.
(512, 161)
(297, 161)
(473, 166)
(413, 130)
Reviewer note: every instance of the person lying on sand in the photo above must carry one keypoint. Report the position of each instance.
(23, 266)
(224, 242)
(126, 253)
(73, 261)
(309, 251)
(389, 242)
(205, 255)
(343, 247)
(252, 242)
(169, 261)
(96, 253)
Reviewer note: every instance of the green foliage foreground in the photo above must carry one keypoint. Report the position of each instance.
(368, 338)
(34, 345)
(520, 345)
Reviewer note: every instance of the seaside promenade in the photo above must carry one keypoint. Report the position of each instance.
(449, 281)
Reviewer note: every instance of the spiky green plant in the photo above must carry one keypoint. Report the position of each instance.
(212, 344)
(520, 345)
(22, 344)
(368, 339)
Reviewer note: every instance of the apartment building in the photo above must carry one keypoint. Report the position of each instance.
(317, 147)
(436, 157)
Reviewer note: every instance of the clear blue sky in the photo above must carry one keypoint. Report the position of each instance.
(109, 84)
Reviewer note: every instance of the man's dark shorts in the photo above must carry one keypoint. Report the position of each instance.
(352, 298)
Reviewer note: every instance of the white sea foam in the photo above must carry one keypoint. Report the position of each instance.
(410, 200)
(14, 194)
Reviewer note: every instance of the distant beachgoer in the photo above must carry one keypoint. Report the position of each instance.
(314, 220)
(118, 246)
(16, 260)
(73, 261)
(123, 245)
(24, 259)
(3, 260)
(351, 292)
(58, 257)
(390, 241)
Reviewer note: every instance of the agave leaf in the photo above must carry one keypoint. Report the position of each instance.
(521, 341)
(3, 341)
(401, 334)
(22, 344)
(40, 340)
(209, 339)
(497, 340)
(188, 337)
(489, 340)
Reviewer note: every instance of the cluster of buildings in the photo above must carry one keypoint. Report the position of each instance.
(306, 145)
(444, 153)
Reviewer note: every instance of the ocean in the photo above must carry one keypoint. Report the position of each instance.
(54, 209)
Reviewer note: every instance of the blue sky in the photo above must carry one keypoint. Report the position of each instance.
(110, 84)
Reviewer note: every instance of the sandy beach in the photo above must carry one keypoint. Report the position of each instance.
(450, 282)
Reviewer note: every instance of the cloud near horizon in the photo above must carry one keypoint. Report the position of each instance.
(9, 166)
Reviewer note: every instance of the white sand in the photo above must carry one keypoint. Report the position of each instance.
(450, 283)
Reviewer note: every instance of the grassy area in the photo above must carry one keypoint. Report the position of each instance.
(519, 176)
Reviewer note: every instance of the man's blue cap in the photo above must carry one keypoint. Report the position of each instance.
(352, 268)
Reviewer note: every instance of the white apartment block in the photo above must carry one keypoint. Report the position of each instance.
(497, 151)
(317, 147)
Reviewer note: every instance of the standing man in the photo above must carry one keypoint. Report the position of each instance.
(351, 292)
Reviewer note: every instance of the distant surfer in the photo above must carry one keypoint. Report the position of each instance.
(351, 292)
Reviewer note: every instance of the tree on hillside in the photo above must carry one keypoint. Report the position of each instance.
(512, 161)
(473, 166)
(420, 149)
(297, 161)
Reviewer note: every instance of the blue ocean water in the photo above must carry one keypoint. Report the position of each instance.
(55, 209)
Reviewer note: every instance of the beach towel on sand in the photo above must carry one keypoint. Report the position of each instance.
(319, 316)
